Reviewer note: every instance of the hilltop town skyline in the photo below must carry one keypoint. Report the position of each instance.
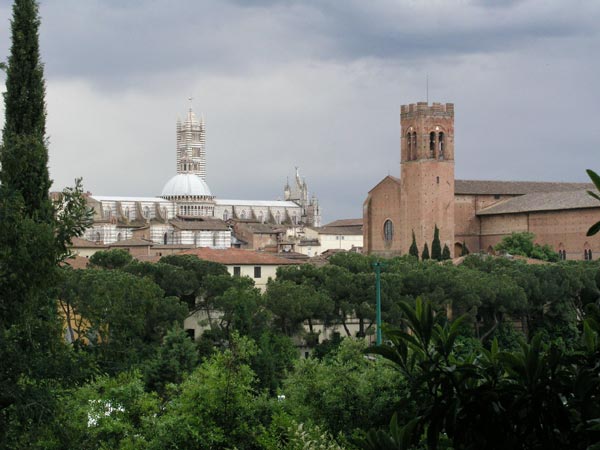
(314, 85)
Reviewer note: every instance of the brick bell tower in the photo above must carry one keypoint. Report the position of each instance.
(427, 174)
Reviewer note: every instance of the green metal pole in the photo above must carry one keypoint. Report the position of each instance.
(378, 298)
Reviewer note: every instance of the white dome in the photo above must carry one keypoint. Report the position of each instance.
(186, 184)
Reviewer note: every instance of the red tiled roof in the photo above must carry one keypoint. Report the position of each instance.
(489, 187)
(134, 242)
(345, 223)
(231, 256)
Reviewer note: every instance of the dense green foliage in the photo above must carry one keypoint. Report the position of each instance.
(596, 180)
(519, 369)
(539, 396)
(522, 244)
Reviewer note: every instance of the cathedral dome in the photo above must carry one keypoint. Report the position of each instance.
(186, 185)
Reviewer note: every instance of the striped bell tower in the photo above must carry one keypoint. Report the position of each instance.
(191, 153)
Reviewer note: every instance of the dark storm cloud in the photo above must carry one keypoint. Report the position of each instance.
(315, 84)
(122, 44)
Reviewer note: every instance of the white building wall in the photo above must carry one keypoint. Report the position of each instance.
(337, 241)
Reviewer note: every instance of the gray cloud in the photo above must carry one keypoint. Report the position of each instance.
(316, 84)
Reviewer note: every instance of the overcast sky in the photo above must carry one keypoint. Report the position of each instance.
(315, 84)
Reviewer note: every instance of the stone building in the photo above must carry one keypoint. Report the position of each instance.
(476, 213)
(186, 214)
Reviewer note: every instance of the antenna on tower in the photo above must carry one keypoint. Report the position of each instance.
(190, 98)
(427, 87)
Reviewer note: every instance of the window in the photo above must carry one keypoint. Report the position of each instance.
(237, 271)
(97, 237)
(432, 144)
(257, 272)
(127, 212)
(225, 215)
(147, 212)
(414, 145)
(441, 144)
(119, 236)
(388, 231)
(408, 147)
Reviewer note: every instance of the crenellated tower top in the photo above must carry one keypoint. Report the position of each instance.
(427, 132)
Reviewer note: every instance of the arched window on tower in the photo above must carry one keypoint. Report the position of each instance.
(388, 231)
(414, 145)
(432, 144)
(409, 148)
(442, 145)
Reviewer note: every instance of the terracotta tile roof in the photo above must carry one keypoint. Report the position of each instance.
(542, 201)
(389, 177)
(357, 230)
(262, 228)
(172, 246)
(134, 242)
(80, 242)
(491, 187)
(345, 223)
(203, 224)
(230, 256)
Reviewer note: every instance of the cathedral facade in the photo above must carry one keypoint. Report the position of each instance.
(472, 213)
(186, 213)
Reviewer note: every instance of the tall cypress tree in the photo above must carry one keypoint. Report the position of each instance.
(414, 250)
(425, 254)
(436, 248)
(465, 249)
(33, 238)
(24, 156)
(445, 252)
